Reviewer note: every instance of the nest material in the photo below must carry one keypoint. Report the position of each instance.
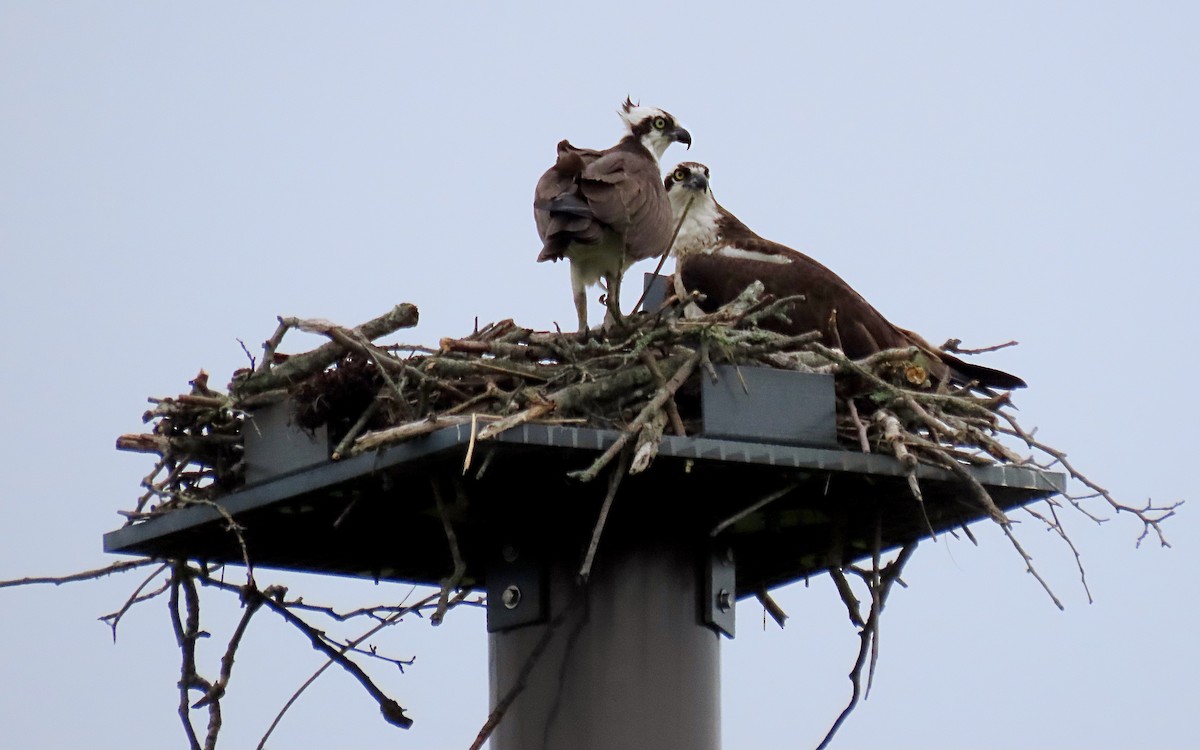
(641, 379)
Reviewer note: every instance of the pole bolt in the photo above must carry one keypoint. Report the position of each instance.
(511, 597)
(724, 600)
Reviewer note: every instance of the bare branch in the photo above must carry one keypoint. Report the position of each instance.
(460, 567)
(1150, 515)
(392, 712)
(300, 366)
(86, 575)
(185, 636)
(614, 481)
(1054, 524)
(953, 346)
(752, 508)
(391, 620)
(868, 630)
(660, 398)
(114, 618)
(771, 607)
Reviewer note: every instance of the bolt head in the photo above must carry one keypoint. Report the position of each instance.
(725, 600)
(511, 597)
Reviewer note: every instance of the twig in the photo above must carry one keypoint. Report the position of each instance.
(876, 601)
(407, 431)
(868, 631)
(1056, 526)
(113, 619)
(771, 607)
(392, 712)
(270, 345)
(298, 367)
(460, 567)
(614, 481)
(249, 356)
(656, 403)
(87, 575)
(1150, 515)
(859, 426)
(981, 494)
(217, 691)
(892, 435)
(753, 507)
(185, 636)
(648, 441)
(232, 526)
(534, 412)
(853, 606)
(672, 408)
(952, 346)
(667, 252)
(1029, 565)
(395, 617)
(357, 428)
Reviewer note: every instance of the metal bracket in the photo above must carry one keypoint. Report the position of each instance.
(656, 290)
(720, 592)
(273, 446)
(517, 593)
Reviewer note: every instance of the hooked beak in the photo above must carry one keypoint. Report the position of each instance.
(681, 135)
(696, 181)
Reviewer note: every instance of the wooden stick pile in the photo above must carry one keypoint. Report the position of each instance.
(640, 378)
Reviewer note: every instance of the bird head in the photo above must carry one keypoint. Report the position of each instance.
(693, 206)
(655, 128)
(687, 176)
(687, 184)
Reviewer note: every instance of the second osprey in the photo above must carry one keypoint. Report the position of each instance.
(605, 210)
(719, 256)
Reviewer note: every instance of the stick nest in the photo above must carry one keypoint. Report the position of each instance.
(639, 379)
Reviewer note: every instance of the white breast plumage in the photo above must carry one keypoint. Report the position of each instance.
(698, 233)
(729, 251)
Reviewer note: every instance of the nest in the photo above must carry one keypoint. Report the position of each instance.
(641, 379)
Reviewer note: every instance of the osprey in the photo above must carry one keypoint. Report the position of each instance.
(605, 210)
(720, 256)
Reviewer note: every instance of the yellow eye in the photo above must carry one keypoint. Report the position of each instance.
(660, 123)
(679, 175)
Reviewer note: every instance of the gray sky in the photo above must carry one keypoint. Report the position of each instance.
(172, 178)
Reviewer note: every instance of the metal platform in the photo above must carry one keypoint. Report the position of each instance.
(374, 515)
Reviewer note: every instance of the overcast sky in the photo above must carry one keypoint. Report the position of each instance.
(172, 177)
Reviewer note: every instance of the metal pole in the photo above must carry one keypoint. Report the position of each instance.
(629, 666)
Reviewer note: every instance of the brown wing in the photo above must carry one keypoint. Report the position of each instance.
(588, 192)
(861, 329)
(561, 183)
(625, 192)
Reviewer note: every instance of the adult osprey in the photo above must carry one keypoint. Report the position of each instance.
(720, 256)
(605, 210)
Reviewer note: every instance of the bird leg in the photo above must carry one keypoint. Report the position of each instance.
(612, 300)
(581, 310)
